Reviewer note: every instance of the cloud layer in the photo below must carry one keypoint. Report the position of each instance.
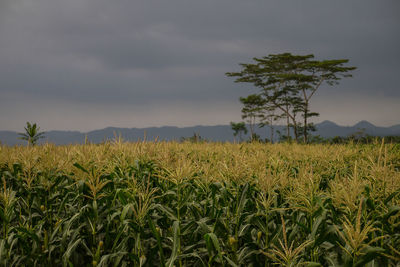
(95, 63)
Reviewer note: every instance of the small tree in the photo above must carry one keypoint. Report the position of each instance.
(31, 134)
(238, 128)
(195, 138)
(252, 110)
(267, 118)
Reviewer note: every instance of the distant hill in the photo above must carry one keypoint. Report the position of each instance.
(222, 133)
(330, 129)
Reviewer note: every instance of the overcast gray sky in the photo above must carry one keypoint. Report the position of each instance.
(89, 64)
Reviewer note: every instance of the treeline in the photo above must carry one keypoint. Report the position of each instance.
(313, 139)
(286, 84)
(353, 138)
(369, 139)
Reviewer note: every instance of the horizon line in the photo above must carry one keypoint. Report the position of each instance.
(199, 125)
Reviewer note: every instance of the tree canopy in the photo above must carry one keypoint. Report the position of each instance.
(238, 128)
(287, 83)
(31, 134)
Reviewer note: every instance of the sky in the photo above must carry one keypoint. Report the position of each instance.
(89, 64)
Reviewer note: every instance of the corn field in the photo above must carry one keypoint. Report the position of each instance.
(200, 204)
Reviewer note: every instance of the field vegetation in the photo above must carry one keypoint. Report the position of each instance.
(200, 204)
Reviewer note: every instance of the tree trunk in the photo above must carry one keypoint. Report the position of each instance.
(251, 130)
(271, 128)
(271, 133)
(251, 126)
(305, 121)
(287, 126)
(296, 136)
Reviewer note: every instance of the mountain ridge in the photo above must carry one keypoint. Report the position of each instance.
(221, 133)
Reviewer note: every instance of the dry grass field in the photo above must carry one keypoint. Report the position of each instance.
(200, 204)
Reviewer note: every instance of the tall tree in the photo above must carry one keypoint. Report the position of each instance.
(310, 75)
(238, 128)
(289, 81)
(271, 75)
(31, 134)
(252, 110)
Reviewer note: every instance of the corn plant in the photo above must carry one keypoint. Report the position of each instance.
(200, 204)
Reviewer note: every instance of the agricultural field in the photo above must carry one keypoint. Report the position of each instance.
(200, 204)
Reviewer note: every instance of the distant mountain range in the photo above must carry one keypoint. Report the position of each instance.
(222, 133)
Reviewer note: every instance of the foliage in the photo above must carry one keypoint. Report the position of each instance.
(31, 134)
(288, 82)
(353, 138)
(238, 128)
(252, 110)
(200, 204)
(195, 138)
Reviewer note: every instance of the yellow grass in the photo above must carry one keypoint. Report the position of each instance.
(295, 169)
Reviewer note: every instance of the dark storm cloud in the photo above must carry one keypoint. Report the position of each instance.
(114, 54)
